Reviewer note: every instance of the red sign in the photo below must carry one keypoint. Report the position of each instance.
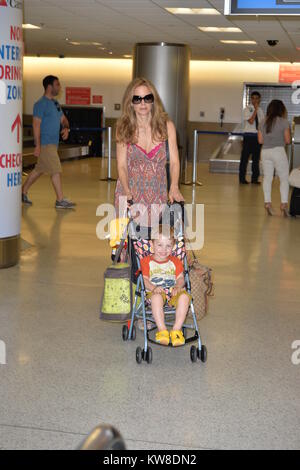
(289, 73)
(97, 99)
(77, 95)
(17, 124)
(3, 3)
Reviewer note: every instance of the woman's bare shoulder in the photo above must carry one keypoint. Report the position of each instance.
(121, 150)
(171, 125)
(122, 145)
(171, 129)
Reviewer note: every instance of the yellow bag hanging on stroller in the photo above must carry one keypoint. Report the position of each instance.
(116, 303)
(117, 228)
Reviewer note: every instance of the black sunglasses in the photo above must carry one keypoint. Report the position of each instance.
(148, 99)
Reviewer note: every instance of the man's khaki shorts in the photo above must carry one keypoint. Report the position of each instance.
(48, 161)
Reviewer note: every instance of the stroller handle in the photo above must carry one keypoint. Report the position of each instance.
(170, 204)
(181, 205)
(130, 202)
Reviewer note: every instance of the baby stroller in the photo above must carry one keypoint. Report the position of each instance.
(142, 311)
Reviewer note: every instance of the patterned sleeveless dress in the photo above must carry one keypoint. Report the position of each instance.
(147, 176)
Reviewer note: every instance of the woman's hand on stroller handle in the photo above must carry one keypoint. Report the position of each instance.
(129, 202)
(175, 196)
(180, 203)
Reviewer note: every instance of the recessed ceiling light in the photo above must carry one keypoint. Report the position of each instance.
(251, 52)
(229, 41)
(214, 29)
(193, 11)
(30, 26)
(110, 53)
(84, 43)
(127, 56)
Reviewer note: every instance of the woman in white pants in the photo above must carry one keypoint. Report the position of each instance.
(274, 133)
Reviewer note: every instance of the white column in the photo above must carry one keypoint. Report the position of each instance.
(11, 63)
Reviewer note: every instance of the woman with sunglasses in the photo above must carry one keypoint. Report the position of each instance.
(143, 132)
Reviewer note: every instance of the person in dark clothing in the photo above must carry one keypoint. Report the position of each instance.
(253, 116)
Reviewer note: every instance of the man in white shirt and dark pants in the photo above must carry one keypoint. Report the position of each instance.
(253, 116)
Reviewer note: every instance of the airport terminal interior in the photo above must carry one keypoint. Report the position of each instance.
(64, 371)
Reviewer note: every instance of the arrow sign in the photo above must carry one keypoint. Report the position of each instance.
(17, 123)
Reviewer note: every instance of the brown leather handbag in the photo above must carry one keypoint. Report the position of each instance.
(201, 285)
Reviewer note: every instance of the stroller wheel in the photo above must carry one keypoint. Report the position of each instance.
(125, 332)
(194, 354)
(149, 356)
(139, 355)
(203, 354)
(133, 336)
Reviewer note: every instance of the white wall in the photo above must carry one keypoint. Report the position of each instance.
(107, 77)
(221, 84)
(213, 84)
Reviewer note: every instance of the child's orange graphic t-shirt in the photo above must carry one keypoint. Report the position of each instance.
(163, 274)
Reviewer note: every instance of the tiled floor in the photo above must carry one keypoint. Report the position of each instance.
(67, 371)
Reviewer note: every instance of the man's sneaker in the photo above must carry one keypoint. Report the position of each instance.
(64, 204)
(70, 202)
(25, 200)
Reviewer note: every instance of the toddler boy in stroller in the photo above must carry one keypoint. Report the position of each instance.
(164, 282)
(162, 277)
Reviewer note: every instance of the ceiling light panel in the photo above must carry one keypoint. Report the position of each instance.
(30, 26)
(231, 41)
(215, 29)
(193, 11)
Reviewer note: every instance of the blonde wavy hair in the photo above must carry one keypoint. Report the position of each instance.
(127, 128)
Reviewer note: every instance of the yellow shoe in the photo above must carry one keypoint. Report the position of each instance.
(163, 337)
(177, 338)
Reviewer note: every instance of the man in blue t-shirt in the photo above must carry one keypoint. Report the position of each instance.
(47, 119)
